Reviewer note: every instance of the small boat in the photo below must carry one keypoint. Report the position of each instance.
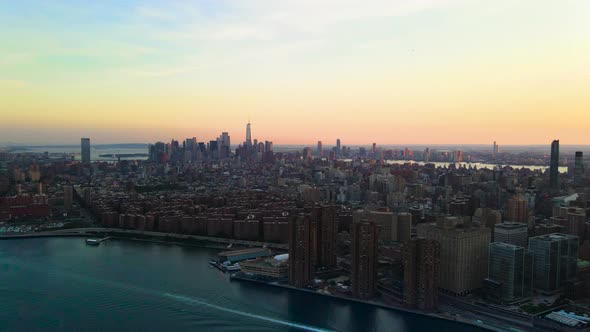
(92, 242)
(229, 267)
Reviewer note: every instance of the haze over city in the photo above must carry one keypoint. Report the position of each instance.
(393, 72)
(300, 165)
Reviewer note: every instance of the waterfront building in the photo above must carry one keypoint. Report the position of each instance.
(365, 244)
(421, 261)
(463, 254)
(273, 267)
(327, 229)
(555, 260)
(302, 232)
(512, 232)
(85, 150)
(510, 267)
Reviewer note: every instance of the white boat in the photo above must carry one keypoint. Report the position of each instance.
(92, 242)
(232, 267)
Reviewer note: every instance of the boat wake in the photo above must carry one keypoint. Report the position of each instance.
(194, 301)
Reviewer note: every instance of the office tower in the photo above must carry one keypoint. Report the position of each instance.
(307, 152)
(496, 150)
(421, 261)
(224, 145)
(554, 166)
(463, 254)
(404, 226)
(85, 145)
(426, 155)
(457, 156)
(554, 260)
(213, 149)
(302, 232)
(517, 209)
(374, 148)
(338, 148)
(511, 267)
(320, 149)
(248, 135)
(579, 169)
(327, 229)
(365, 244)
(68, 196)
(513, 233)
(267, 146)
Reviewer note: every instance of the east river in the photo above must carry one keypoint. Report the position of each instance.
(61, 284)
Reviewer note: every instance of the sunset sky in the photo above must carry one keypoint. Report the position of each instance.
(386, 71)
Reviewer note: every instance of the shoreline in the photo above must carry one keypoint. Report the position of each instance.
(371, 303)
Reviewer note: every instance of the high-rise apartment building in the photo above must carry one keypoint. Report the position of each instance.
(302, 232)
(327, 229)
(512, 233)
(554, 166)
(554, 260)
(421, 261)
(404, 227)
(463, 255)
(68, 196)
(85, 153)
(365, 246)
(511, 267)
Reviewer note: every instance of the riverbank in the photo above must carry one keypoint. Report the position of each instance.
(482, 325)
(154, 237)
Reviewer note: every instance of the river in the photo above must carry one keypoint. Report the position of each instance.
(61, 284)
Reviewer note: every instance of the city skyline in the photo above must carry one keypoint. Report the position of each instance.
(398, 72)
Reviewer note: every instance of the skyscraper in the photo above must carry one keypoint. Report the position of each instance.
(555, 260)
(579, 169)
(365, 243)
(85, 153)
(554, 166)
(496, 150)
(338, 148)
(302, 235)
(421, 260)
(224, 145)
(320, 149)
(511, 267)
(248, 135)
